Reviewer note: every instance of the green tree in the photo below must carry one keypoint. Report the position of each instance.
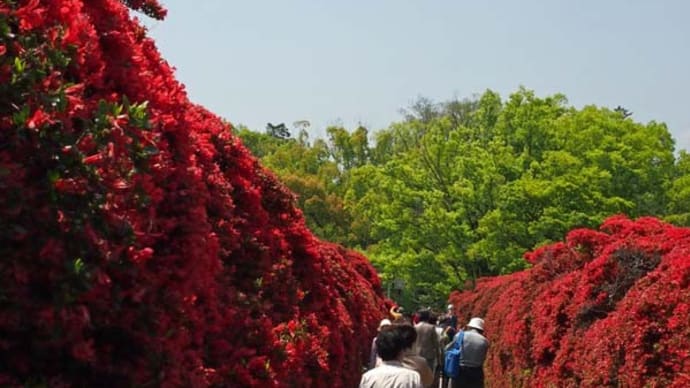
(679, 192)
(461, 189)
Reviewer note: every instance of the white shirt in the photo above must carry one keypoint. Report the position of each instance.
(391, 374)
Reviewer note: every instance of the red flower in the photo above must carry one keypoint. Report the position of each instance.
(84, 351)
(140, 256)
(70, 186)
(38, 119)
(31, 15)
(234, 270)
(93, 159)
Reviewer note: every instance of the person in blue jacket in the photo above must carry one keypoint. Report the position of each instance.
(474, 349)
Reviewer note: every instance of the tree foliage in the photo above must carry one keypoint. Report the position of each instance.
(462, 188)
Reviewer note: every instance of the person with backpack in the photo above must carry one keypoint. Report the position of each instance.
(465, 356)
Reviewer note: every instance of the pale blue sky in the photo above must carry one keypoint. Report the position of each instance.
(347, 62)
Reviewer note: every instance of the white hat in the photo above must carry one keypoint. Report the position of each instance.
(384, 322)
(450, 307)
(476, 323)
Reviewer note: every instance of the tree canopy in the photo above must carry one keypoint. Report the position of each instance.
(461, 189)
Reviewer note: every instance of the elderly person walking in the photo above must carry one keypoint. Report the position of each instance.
(474, 348)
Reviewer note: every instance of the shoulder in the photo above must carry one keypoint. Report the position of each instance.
(396, 373)
(475, 336)
(373, 374)
(413, 360)
(410, 375)
(367, 375)
(425, 326)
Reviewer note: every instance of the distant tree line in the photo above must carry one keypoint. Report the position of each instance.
(461, 189)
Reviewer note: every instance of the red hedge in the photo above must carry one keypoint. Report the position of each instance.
(603, 308)
(140, 243)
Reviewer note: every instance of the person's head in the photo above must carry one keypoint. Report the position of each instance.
(450, 332)
(384, 323)
(477, 324)
(424, 315)
(408, 334)
(389, 343)
(449, 309)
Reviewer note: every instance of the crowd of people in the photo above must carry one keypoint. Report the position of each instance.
(408, 351)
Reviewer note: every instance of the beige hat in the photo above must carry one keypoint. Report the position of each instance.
(450, 307)
(384, 322)
(476, 323)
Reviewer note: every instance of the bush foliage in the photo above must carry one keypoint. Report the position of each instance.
(604, 308)
(140, 243)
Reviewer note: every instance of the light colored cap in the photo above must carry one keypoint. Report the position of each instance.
(476, 323)
(384, 322)
(450, 307)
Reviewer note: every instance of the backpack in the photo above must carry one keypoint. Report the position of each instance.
(451, 362)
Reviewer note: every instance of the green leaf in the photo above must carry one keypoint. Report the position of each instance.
(19, 118)
(78, 266)
(19, 65)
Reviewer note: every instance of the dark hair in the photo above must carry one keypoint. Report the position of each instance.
(424, 315)
(408, 335)
(389, 343)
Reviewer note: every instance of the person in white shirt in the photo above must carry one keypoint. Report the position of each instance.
(390, 345)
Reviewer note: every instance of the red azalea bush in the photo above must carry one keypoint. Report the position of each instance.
(140, 243)
(604, 308)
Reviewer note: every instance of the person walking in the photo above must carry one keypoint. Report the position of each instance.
(474, 349)
(374, 360)
(391, 373)
(427, 344)
(448, 325)
(412, 360)
(452, 318)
